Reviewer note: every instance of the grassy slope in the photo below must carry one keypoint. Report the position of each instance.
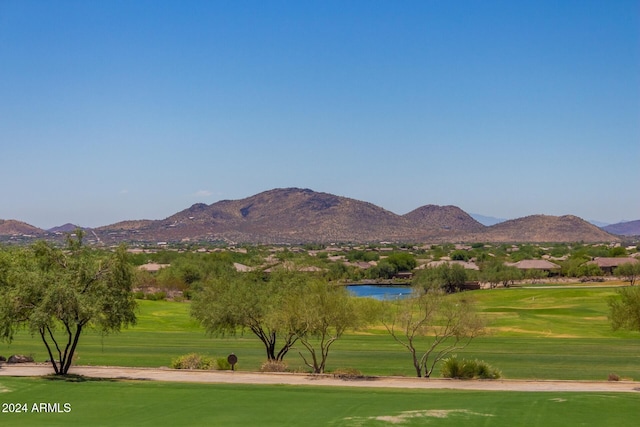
(98, 403)
(534, 333)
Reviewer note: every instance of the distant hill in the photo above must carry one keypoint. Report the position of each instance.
(12, 227)
(294, 215)
(66, 228)
(628, 228)
(438, 219)
(289, 215)
(545, 228)
(487, 220)
(598, 223)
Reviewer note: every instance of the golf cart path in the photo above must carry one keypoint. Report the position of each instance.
(242, 377)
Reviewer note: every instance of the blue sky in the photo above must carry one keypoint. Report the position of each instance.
(115, 110)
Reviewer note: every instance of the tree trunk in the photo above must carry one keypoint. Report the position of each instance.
(416, 364)
(51, 359)
(69, 355)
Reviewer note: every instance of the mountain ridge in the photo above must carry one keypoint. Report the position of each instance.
(625, 228)
(295, 215)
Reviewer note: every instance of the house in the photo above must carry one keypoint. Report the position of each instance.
(464, 264)
(152, 267)
(536, 264)
(608, 264)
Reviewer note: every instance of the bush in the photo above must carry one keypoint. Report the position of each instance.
(157, 296)
(451, 368)
(468, 369)
(222, 364)
(485, 372)
(614, 377)
(193, 361)
(274, 366)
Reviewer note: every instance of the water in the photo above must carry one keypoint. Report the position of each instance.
(380, 292)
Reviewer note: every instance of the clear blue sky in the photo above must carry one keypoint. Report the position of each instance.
(115, 110)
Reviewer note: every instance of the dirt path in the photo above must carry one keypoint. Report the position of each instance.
(240, 377)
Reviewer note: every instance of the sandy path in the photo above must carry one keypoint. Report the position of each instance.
(241, 377)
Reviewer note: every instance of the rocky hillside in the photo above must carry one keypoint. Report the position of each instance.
(294, 215)
(281, 216)
(17, 228)
(629, 228)
(438, 220)
(543, 228)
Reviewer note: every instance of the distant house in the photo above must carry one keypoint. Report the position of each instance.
(403, 275)
(536, 264)
(361, 264)
(288, 266)
(464, 264)
(608, 264)
(152, 267)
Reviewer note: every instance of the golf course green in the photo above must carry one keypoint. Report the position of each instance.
(531, 334)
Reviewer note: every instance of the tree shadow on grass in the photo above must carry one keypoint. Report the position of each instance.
(75, 378)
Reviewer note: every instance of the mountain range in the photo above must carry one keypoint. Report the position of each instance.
(294, 215)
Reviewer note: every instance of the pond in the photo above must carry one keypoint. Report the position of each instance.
(380, 292)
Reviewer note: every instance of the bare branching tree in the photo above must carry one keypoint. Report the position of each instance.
(441, 323)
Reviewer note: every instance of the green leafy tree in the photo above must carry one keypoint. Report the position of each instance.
(57, 294)
(460, 255)
(588, 270)
(629, 271)
(618, 251)
(625, 309)
(442, 323)
(448, 277)
(384, 270)
(402, 261)
(497, 272)
(235, 302)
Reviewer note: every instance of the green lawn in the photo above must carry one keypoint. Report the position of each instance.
(533, 333)
(109, 403)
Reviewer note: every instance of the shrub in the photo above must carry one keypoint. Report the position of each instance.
(613, 377)
(193, 361)
(451, 368)
(138, 295)
(157, 296)
(222, 364)
(468, 369)
(485, 372)
(274, 366)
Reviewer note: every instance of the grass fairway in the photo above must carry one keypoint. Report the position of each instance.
(107, 403)
(533, 333)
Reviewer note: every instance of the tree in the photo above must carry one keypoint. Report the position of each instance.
(58, 294)
(402, 261)
(234, 302)
(497, 272)
(448, 277)
(448, 321)
(630, 271)
(384, 270)
(625, 310)
(325, 312)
